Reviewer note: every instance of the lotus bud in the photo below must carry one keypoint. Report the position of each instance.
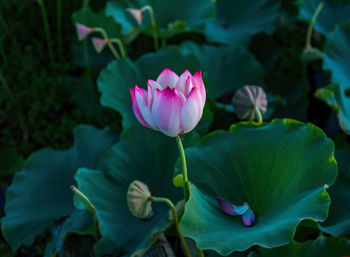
(99, 44)
(247, 100)
(139, 199)
(172, 105)
(136, 13)
(83, 31)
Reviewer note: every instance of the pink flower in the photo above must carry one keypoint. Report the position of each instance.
(99, 43)
(172, 104)
(136, 13)
(83, 31)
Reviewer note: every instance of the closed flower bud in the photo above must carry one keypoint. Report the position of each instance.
(137, 14)
(83, 31)
(99, 44)
(139, 199)
(247, 100)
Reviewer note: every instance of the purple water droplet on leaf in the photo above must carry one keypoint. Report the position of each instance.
(230, 208)
(248, 218)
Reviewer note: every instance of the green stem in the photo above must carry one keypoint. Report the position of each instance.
(176, 220)
(2, 52)
(121, 46)
(312, 24)
(13, 38)
(91, 207)
(258, 115)
(184, 168)
(85, 46)
(86, 58)
(47, 31)
(109, 42)
(59, 31)
(15, 104)
(201, 254)
(153, 24)
(4, 24)
(86, 4)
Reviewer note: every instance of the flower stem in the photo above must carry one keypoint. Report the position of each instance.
(258, 115)
(201, 254)
(59, 31)
(312, 24)
(121, 46)
(176, 220)
(184, 168)
(2, 52)
(91, 207)
(109, 42)
(47, 30)
(153, 24)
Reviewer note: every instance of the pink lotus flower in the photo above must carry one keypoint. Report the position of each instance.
(136, 13)
(83, 31)
(172, 104)
(99, 43)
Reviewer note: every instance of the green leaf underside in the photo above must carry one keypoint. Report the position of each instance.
(236, 21)
(141, 154)
(279, 168)
(40, 192)
(337, 54)
(321, 247)
(338, 221)
(331, 14)
(334, 95)
(192, 12)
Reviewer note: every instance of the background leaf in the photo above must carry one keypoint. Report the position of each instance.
(332, 13)
(40, 192)
(236, 21)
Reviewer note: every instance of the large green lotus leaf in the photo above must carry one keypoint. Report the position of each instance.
(280, 169)
(338, 221)
(227, 68)
(167, 14)
(118, 77)
(141, 154)
(321, 247)
(40, 193)
(337, 53)
(332, 13)
(236, 21)
(334, 95)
